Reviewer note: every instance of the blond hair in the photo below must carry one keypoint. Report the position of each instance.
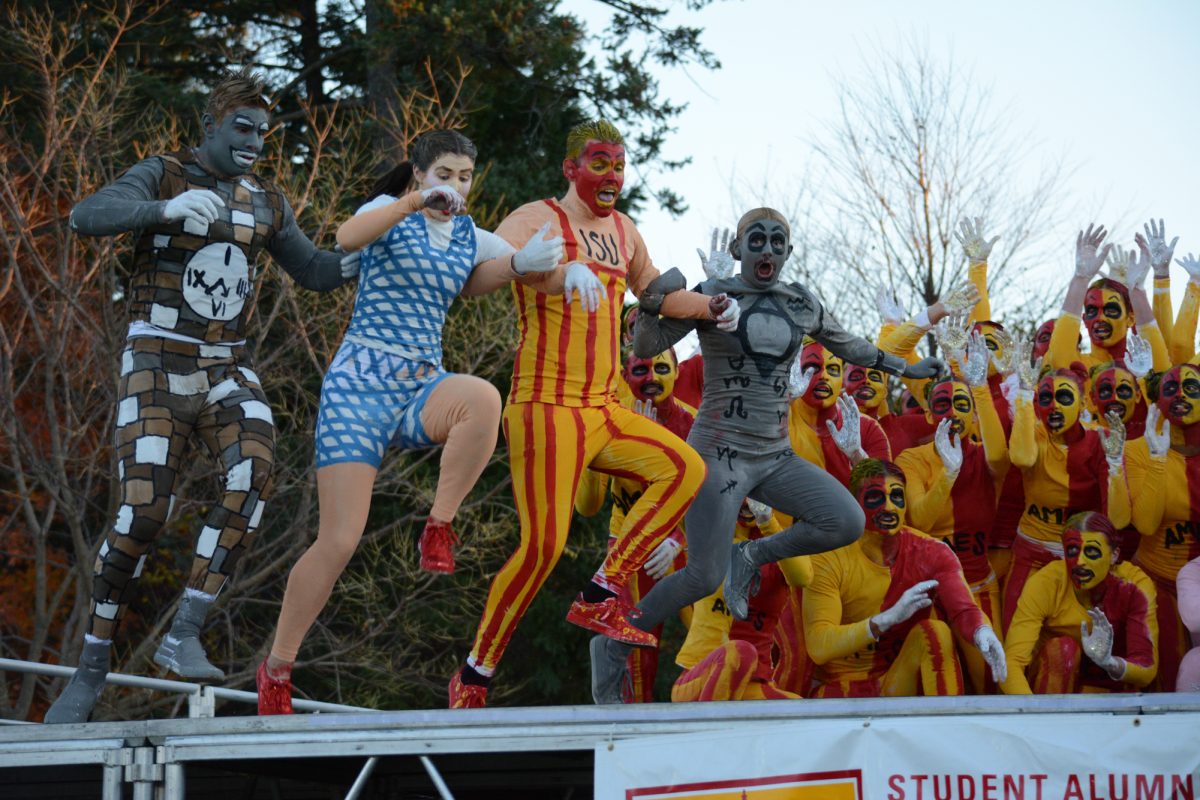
(755, 214)
(237, 89)
(600, 130)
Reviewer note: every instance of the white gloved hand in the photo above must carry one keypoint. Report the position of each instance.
(443, 198)
(659, 563)
(580, 279)
(198, 205)
(1138, 356)
(1155, 245)
(848, 437)
(1112, 439)
(915, 598)
(646, 409)
(1192, 265)
(726, 311)
(976, 248)
(351, 263)
(1158, 442)
(539, 254)
(761, 511)
(1098, 644)
(1138, 266)
(1087, 260)
(890, 309)
(993, 652)
(961, 299)
(953, 333)
(949, 449)
(718, 263)
(976, 367)
(799, 378)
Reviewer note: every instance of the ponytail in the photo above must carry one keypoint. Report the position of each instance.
(395, 182)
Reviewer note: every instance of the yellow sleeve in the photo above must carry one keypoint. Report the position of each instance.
(1022, 444)
(1183, 333)
(928, 490)
(824, 634)
(1118, 509)
(1162, 306)
(1035, 605)
(797, 571)
(709, 629)
(991, 430)
(977, 275)
(589, 497)
(1147, 487)
(1064, 347)
(902, 340)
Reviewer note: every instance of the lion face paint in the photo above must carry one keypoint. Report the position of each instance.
(233, 144)
(1105, 315)
(867, 386)
(1115, 390)
(1057, 404)
(1179, 395)
(883, 500)
(1089, 557)
(651, 378)
(826, 383)
(598, 175)
(951, 400)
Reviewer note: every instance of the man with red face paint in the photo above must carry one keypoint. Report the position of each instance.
(650, 383)
(562, 415)
(867, 622)
(1065, 468)
(954, 482)
(1164, 477)
(1078, 606)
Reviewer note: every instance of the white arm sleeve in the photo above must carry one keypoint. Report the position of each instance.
(488, 246)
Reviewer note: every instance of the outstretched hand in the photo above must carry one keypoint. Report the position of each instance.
(1089, 255)
(848, 437)
(718, 263)
(970, 236)
(1154, 244)
(915, 598)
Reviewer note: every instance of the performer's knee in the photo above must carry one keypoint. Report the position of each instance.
(142, 523)
(1064, 652)
(693, 472)
(843, 519)
(937, 634)
(744, 654)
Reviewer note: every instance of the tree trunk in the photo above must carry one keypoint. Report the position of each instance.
(382, 86)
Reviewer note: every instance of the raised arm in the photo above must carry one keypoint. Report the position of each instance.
(368, 225)
(1154, 245)
(1183, 333)
(1090, 254)
(977, 248)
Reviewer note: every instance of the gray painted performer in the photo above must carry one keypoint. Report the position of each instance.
(202, 219)
(741, 431)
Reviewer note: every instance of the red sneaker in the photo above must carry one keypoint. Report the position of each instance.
(274, 696)
(612, 619)
(437, 547)
(466, 695)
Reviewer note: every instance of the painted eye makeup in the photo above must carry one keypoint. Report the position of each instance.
(873, 498)
(1191, 387)
(1113, 311)
(897, 496)
(1045, 397)
(1064, 397)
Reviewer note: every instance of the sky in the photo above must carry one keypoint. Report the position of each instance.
(1115, 86)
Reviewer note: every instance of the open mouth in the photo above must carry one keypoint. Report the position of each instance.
(865, 393)
(652, 389)
(764, 269)
(1115, 408)
(822, 390)
(957, 427)
(1054, 420)
(606, 196)
(1180, 409)
(243, 158)
(1082, 575)
(1101, 330)
(886, 520)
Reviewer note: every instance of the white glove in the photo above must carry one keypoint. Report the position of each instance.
(726, 311)
(1154, 243)
(848, 438)
(913, 600)
(1112, 439)
(581, 279)
(889, 309)
(1157, 442)
(198, 205)
(761, 511)
(976, 367)
(718, 263)
(1192, 265)
(799, 378)
(1139, 266)
(961, 298)
(970, 236)
(993, 652)
(646, 409)
(1008, 390)
(351, 263)
(659, 563)
(953, 333)
(1087, 260)
(443, 198)
(1138, 357)
(949, 449)
(538, 254)
(1098, 644)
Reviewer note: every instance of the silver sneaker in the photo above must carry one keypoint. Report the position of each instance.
(186, 657)
(739, 582)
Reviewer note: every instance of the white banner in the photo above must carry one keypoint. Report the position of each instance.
(997, 757)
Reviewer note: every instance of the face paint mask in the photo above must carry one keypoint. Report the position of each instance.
(952, 400)
(1041, 341)
(598, 175)
(826, 383)
(1179, 395)
(1089, 557)
(882, 500)
(233, 145)
(1105, 316)
(763, 248)
(1057, 404)
(867, 387)
(1114, 390)
(651, 378)
(991, 338)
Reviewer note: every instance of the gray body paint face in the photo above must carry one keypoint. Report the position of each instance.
(232, 146)
(763, 248)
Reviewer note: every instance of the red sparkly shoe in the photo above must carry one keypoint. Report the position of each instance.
(274, 695)
(466, 695)
(611, 618)
(437, 547)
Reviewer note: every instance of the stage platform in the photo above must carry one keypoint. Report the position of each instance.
(495, 753)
